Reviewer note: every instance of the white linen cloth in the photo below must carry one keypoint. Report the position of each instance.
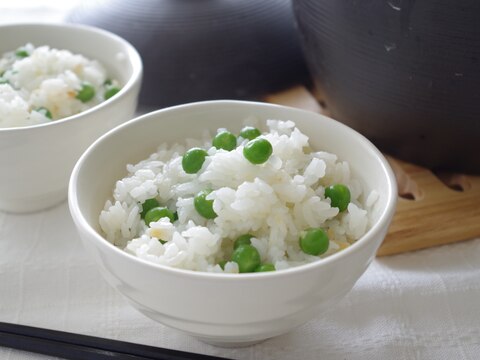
(421, 305)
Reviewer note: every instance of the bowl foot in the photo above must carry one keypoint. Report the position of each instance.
(33, 204)
(229, 344)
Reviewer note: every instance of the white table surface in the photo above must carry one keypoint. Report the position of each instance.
(422, 305)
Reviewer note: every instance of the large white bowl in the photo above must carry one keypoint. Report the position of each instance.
(36, 161)
(225, 309)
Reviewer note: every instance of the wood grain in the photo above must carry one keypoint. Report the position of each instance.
(437, 214)
(298, 97)
(433, 209)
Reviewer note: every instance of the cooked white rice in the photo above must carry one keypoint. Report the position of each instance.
(46, 78)
(274, 202)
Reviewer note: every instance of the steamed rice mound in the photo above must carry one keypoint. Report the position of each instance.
(36, 79)
(274, 202)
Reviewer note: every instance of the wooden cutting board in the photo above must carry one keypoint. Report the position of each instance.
(433, 209)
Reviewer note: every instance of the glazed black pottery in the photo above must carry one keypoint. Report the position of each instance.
(405, 73)
(205, 49)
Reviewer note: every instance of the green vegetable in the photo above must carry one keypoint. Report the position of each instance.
(157, 213)
(110, 92)
(222, 264)
(86, 93)
(314, 241)
(162, 241)
(242, 240)
(250, 133)
(247, 258)
(107, 82)
(339, 196)
(265, 267)
(44, 111)
(193, 160)
(203, 206)
(21, 53)
(147, 205)
(225, 140)
(257, 151)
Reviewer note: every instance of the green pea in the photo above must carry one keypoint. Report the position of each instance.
(157, 213)
(265, 267)
(314, 241)
(44, 111)
(225, 140)
(110, 92)
(203, 206)
(242, 240)
(86, 93)
(247, 258)
(22, 53)
(222, 264)
(339, 196)
(193, 160)
(257, 151)
(147, 205)
(250, 132)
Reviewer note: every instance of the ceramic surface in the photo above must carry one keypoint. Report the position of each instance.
(36, 161)
(404, 73)
(225, 309)
(204, 50)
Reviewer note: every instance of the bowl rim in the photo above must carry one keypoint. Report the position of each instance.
(94, 236)
(132, 55)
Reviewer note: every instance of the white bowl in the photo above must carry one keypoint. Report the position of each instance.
(36, 161)
(226, 309)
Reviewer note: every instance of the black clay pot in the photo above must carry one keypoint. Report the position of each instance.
(404, 73)
(205, 49)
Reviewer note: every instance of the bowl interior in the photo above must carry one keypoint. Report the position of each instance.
(105, 161)
(115, 54)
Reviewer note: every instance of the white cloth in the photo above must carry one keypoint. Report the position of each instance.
(422, 305)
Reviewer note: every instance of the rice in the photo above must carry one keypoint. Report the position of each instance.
(274, 202)
(41, 84)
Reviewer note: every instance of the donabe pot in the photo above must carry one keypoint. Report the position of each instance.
(204, 49)
(403, 73)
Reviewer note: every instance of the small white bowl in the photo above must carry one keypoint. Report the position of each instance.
(36, 161)
(226, 309)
